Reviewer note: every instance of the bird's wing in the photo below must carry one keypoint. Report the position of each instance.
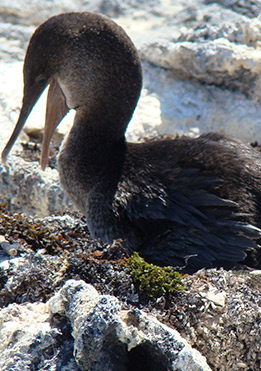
(184, 223)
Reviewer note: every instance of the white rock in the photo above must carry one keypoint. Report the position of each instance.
(105, 337)
(205, 60)
(32, 190)
(109, 338)
(35, 12)
(187, 106)
(215, 296)
(28, 340)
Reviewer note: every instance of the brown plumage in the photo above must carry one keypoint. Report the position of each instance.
(190, 203)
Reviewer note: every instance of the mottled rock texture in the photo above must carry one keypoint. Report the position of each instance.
(218, 312)
(120, 339)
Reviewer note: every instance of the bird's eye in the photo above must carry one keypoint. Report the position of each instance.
(41, 80)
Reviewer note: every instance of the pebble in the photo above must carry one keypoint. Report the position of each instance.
(9, 249)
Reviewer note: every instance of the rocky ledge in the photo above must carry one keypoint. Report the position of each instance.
(78, 329)
(70, 303)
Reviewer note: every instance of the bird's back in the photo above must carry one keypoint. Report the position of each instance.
(192, 202)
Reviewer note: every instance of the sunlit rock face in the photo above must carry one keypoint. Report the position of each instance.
(100, 336)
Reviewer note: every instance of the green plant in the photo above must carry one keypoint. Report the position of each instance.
(153, 280)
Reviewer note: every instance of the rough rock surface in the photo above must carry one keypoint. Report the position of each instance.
(30, 342)
(105, 334)
(78, 329)
(31, 190)
(218, 312)
(224, 318)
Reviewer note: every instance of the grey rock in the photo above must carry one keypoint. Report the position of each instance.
(102, 337)
(247, 7)
(31, 190)
(191, 108)
(212, 66)
(14, 40)
(28, 12)
(220, 57)
(30, 342)
(221, 316)
(218, 312)
(109, 338)
(214, 23)
(8, 249)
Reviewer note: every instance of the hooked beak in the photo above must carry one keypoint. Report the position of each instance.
(56, 109)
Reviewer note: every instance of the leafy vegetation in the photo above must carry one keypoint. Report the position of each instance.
(153, 280)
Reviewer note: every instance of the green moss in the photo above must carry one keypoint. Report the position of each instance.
(153, 280)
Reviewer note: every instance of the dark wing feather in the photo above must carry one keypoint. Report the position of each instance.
(185, 224)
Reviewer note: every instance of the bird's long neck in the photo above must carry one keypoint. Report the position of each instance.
(91, 158)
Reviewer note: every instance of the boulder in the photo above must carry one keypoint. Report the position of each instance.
(79, 329)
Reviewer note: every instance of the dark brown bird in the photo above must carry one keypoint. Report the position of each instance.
(189, 203)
